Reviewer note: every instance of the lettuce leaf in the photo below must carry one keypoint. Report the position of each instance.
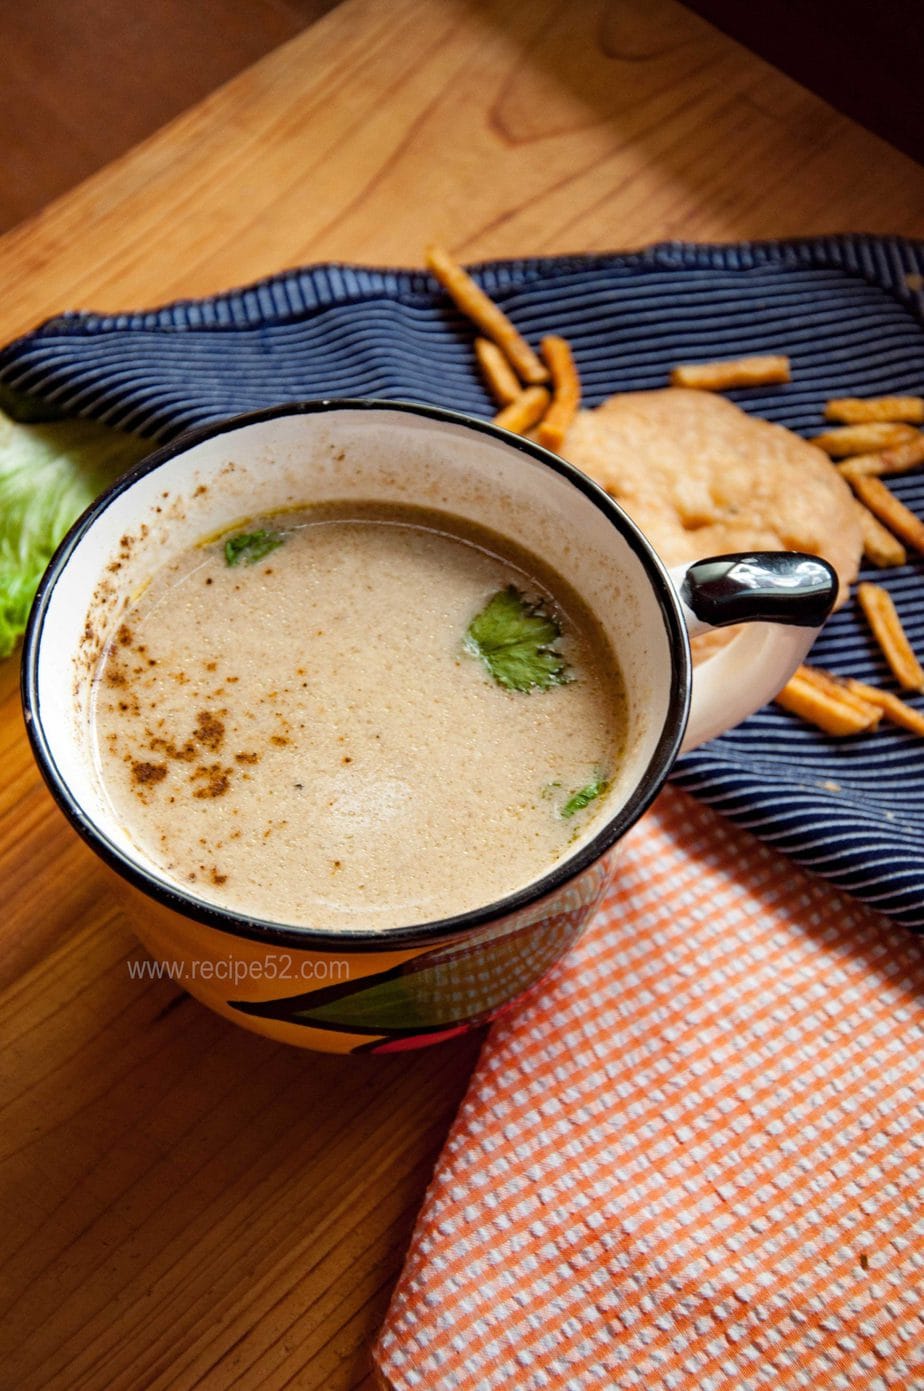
(48, 475)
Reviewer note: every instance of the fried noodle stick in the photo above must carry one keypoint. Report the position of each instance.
(898, 460)
(521, 414)
(500, 377)
(742, 371)
(894, 709)
(566, 391)
(492, 321)
(831, 711)
(851, 410)
(842, 705)
(879, 545)
(883, 619)
(892, 513)
(869, 438)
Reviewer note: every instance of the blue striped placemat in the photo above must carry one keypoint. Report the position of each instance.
(849, 311)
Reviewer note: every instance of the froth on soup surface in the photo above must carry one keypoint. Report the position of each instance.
(304, 737)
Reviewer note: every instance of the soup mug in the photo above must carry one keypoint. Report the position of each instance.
(363, 989)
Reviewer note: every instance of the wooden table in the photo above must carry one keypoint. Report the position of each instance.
(184, 1204)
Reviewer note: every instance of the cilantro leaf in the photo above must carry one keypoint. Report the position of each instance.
(515, 638)
(251, 546)
(583, 798)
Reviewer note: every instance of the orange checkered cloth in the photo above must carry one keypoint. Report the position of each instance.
(693, 1159)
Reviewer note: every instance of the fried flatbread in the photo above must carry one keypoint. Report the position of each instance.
(700, 477)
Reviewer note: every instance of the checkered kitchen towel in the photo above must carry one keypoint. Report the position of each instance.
(692, 1160)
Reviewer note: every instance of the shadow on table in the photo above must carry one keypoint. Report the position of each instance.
(660, 98)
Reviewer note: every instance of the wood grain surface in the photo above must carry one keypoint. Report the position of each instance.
(184, 1204)
(83, 82)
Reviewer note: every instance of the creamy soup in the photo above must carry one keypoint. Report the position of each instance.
(316, 719)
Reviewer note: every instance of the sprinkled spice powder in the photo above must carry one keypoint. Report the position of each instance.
(362, 730)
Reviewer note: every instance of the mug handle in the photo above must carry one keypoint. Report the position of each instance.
(785, 597)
